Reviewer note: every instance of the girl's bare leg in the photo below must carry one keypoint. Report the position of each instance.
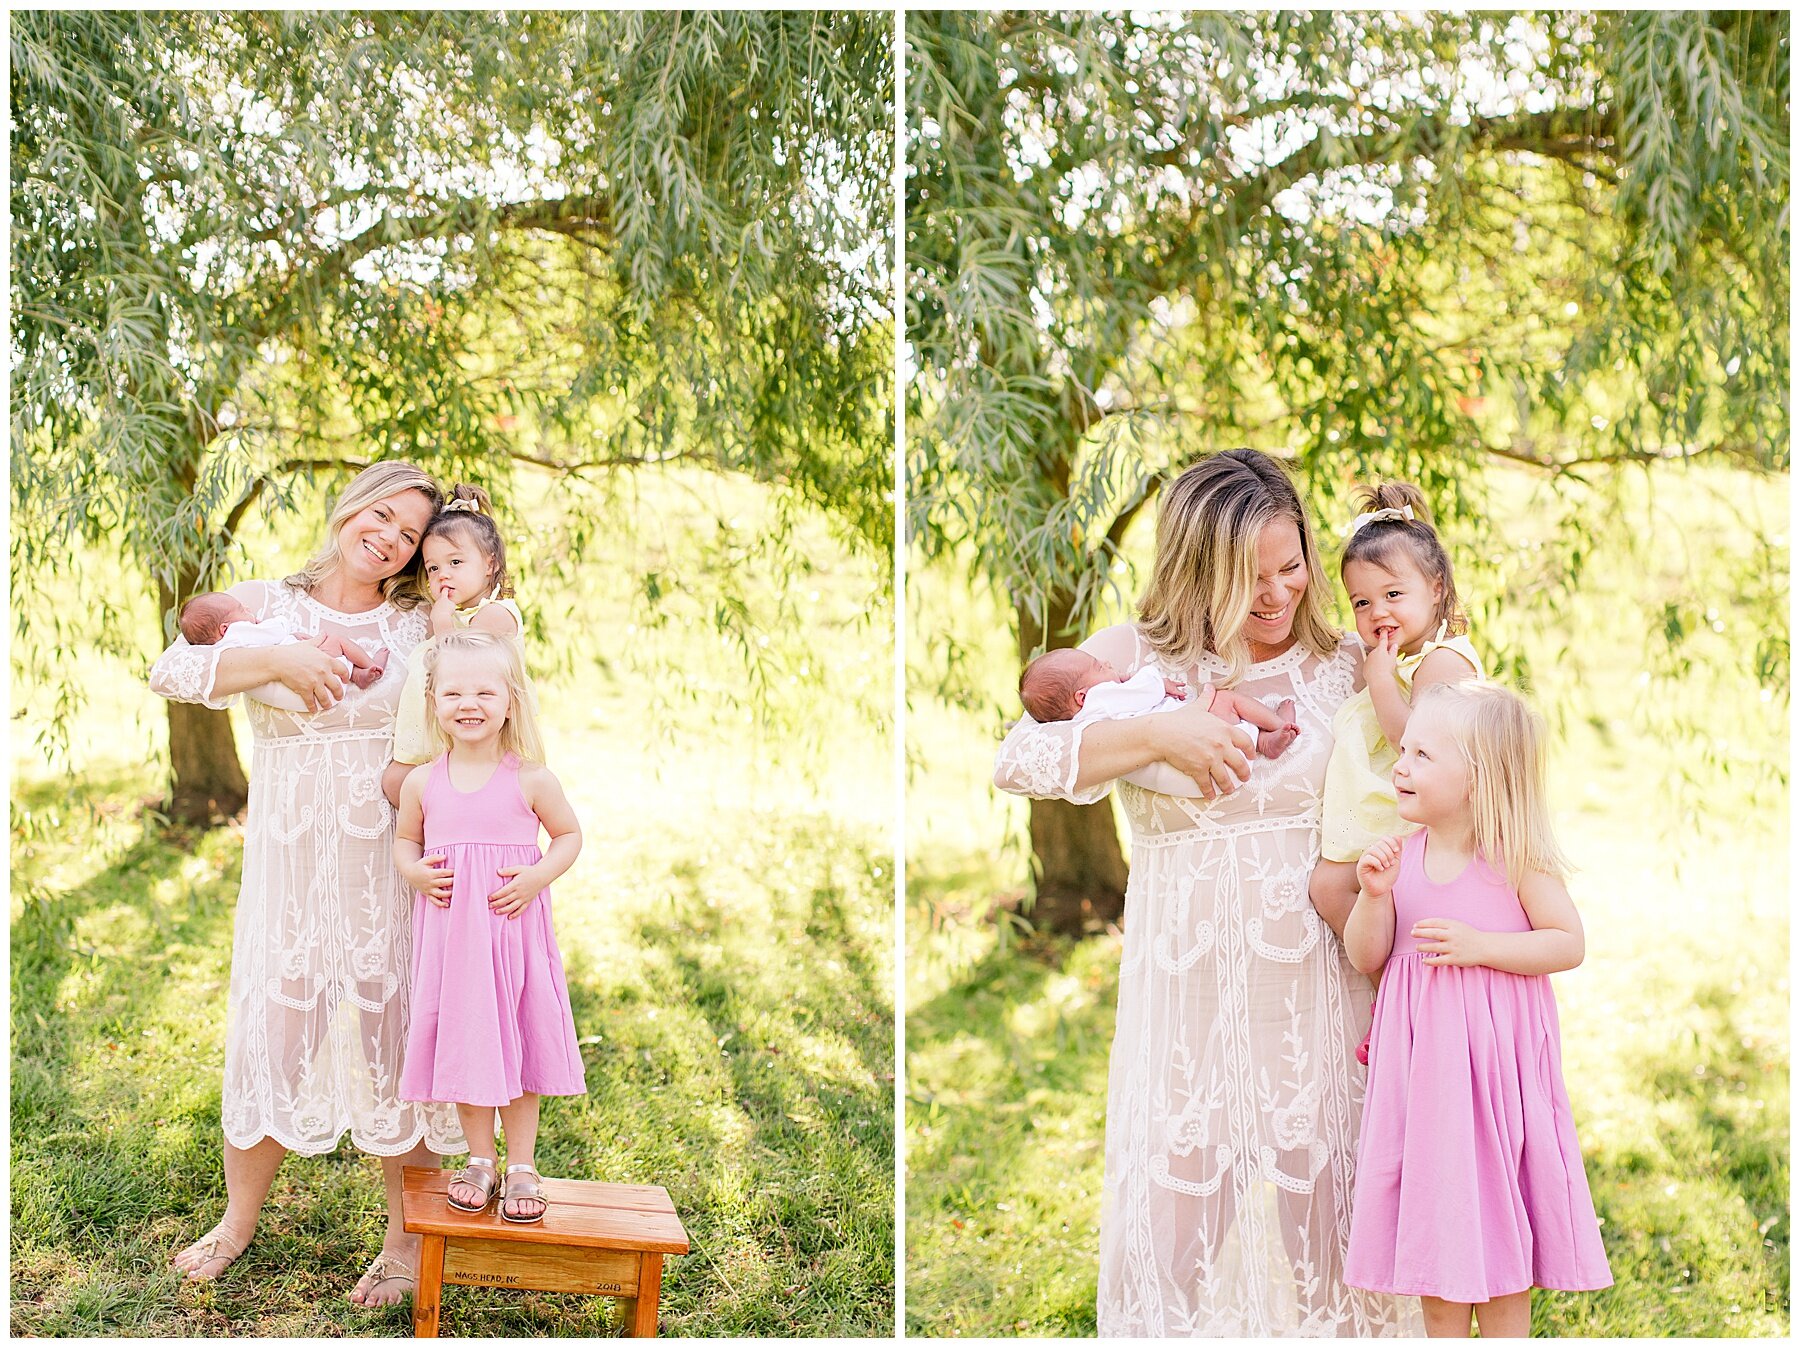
(478, 1130)
(1507, 1317)
(249, 1175)
(1445, 1319)
(520, 1121)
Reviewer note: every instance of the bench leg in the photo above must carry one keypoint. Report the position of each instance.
(641, 1310)
(429, 1294)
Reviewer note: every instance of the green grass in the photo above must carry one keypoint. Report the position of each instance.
(1675, 1029)
(728, 939)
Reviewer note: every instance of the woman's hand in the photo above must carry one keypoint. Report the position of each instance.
(315, 677)
(523, 885)
(1447, 941)
(1198, 744)
(430, 877)
(1378, 868)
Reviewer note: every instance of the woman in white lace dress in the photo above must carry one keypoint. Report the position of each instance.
(1233, 1096)
(321, 956)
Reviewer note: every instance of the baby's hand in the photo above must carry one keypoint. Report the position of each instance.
(1175, 688)
(512, 898)
(431, 878)
(1447, 941)
(1379, 867)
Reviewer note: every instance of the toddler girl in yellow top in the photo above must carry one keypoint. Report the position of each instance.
(1403, 598)
(464, 572)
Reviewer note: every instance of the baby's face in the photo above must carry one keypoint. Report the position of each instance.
(233, 612)
(1097, 671)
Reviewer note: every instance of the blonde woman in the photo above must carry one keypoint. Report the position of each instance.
(1233, 1097)
(321, 954)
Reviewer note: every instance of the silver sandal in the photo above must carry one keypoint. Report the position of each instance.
(521, 1189)
(480, 1174)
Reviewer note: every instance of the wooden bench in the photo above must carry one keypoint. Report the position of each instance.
(603, 1239)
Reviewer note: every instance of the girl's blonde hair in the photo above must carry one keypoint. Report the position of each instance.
(1502, 740)
(469, 511)
(375, 483)
(1203, 581)
(519, 735)
(1377, 542)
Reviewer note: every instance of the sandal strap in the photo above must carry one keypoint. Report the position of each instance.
(386, 1268)
(482, 1176)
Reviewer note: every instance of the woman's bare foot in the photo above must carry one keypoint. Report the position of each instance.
(391, 1278)
(213, 1253)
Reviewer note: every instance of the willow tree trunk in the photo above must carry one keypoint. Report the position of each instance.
(206, 779)
(1076, 859)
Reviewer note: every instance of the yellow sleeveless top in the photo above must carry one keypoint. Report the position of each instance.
(1359, 785)
(412, 731)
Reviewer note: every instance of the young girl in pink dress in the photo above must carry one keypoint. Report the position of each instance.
(1469, 1182)
(491, 1027)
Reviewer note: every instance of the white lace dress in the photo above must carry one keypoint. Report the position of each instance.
(321, 957)
(1234, 1095)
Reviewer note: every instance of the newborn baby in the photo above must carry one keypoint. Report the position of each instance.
(216, 619)
(1071, 685)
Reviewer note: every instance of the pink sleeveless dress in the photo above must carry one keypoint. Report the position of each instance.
(490, 1010)
(1469, 1181)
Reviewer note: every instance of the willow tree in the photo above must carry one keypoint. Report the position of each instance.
(1372, 243)
(252, 249)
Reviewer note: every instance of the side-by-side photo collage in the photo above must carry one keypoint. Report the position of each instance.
(898, 673)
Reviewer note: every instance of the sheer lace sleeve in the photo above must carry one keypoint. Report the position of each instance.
(186, 672)
(1042, 759)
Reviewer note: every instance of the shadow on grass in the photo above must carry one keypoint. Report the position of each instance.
(1007, 1086)
(1697, 1224)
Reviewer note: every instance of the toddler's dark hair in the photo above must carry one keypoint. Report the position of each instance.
(1047, 685)
(1379, 541)
(468, 514)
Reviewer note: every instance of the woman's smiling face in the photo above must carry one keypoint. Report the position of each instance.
(380, 539)
(1281, 579)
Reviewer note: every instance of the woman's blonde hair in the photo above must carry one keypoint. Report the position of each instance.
(375, 483)
(1502, 739)
(1379, 541)
(519, 735)
(1203, 580)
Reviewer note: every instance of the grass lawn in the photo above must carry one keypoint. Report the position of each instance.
(1675, 1028)
(728, 939)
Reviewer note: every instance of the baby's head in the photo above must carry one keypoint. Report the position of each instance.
(1055, 685)
(205, 617)
(463, 554)
(475, 688)
(1396, 571)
